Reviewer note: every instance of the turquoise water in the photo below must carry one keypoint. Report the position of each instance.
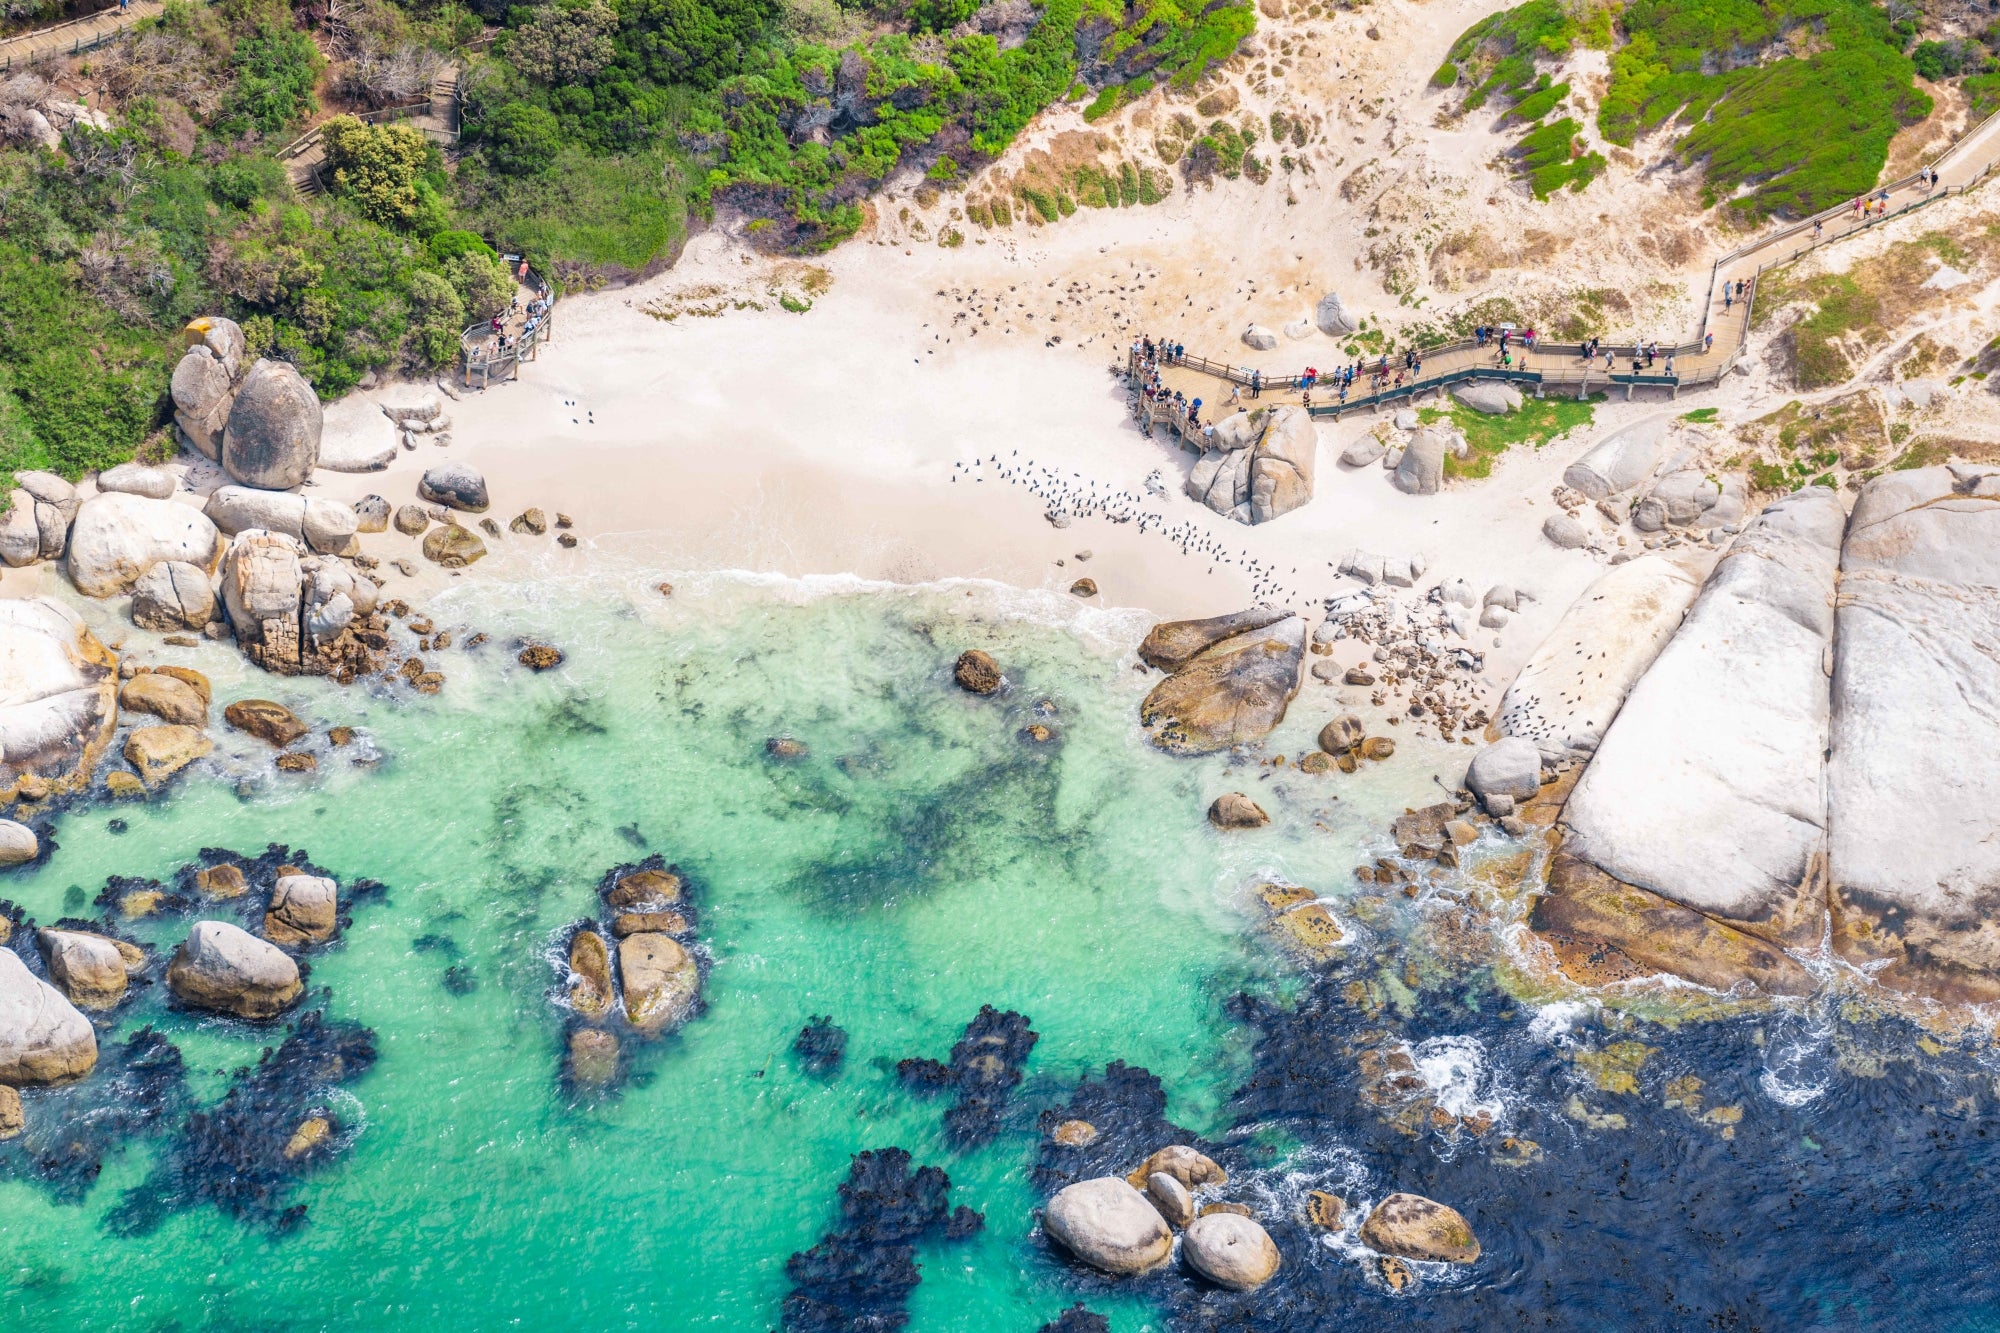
(924, 860)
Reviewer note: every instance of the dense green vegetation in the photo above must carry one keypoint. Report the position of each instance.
(593, 131)
(1744, 78)
(1539, 421)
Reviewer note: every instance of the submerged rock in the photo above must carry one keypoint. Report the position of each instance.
(166, 697)
(985, 1068)
(1230, 1250)
(820, 1046)
(266, 720)
(977, 672)
(160, 752)
(1413, 1227)
(1234, 810)
(592, 1058)
(226, 969)
(1109, 1225)
(43, 1039)
(1077, 1319)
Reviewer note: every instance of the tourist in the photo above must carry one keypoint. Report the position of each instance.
(1707, 341)
(1306, 399)
(1256, 384)
(1728, 297)
(1818, 227)
(1670, 365)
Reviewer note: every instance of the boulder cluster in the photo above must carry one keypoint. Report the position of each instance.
(1125, 1225)
(1649, 475)
(262, 421)
(656, 982)
(1256, 465)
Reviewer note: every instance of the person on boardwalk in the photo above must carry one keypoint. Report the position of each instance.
(1256, 384)
(1707, 341)
(1728, 297)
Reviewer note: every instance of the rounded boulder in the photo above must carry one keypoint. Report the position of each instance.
(173, 596)
(1510, 767)
(1230, 1250)
(43, 1038)
(155, 483)
(272, 440)
(18, 843)
(1414, 1227)
(455, 486)
(117, 537)
(1108, 1225)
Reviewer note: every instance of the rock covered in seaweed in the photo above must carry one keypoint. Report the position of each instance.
(1413, 1227)
(820, 1046)
(861, 1273)
(985, 1069)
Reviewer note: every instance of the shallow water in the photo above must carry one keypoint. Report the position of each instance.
(924, 860)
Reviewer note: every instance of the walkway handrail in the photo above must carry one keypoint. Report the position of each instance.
(479, 367)
(120, 21)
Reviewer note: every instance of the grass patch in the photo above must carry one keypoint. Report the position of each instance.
(1702, 414)
(1539, 420)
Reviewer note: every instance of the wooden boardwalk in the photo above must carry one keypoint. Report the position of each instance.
(436, 116)
(74, 36)
(1704, 359)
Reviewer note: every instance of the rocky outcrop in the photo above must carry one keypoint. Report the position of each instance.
(452, 546)
(1421, 468)
(268, 721)
(118, 537)
(173, 596)
(1234, 810)
(58, 698)
(1691, 498)
(1413, 1227)
(227, 970)
(1565, 531)
(1230, 1250)
(1365, 451)
(1259, 465)
(1913, 774)
(1574, 684)
(1109, 1225)
(1259, 338)
(371, 514)
(272, 439)
(1333, 317)
(294, 613)
(1619, 461)
(976, 672)
(1231, 693)
(1509, 770)
(35, 526)
(1726, 733)
(43, 1039)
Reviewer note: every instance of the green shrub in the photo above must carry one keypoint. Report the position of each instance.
(378, 167)
(276, 69)
(522, 138)
(437, 318)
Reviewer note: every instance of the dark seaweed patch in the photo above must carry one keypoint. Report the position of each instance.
(985, 1069)
(460, 980)
(1076, 1319)
(232, 1155)
(821, 1046)
(138, 1088)
(1128, 1109)
(860, 1275)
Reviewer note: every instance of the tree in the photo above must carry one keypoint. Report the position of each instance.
(377, 166)
(483, 284)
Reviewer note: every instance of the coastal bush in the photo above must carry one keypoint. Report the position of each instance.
(1739, 76)
(379, 167)
(277, 68)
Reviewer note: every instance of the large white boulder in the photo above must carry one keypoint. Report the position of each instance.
(1679, 499)
(1574, 684)
(1258, 337)
(1260, 464)
(58, 695)
(1726, 734)
(1230, 1250)
(119, 536)
(1511, 767)
(203, 388)
(43, 1038)
(272, 439)
(1621, 460)
(1333, 317)
(1913, 776)
(1493, 397)
(1109, 1225)
(18, 843)
(1421, 470)
(39, 513)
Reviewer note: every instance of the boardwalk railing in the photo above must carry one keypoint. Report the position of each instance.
(484, 361)
(71, 37)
